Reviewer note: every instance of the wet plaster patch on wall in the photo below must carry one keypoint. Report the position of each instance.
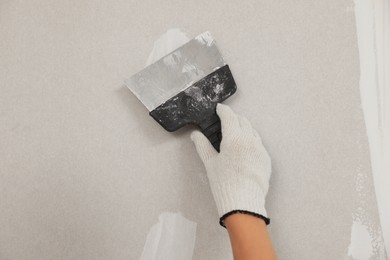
(372, 23)
(173, 238)
(360, 238)
(366, 235)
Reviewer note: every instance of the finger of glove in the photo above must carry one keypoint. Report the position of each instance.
(255, 133)
(229, 120)
(244, 123)
(203, 146)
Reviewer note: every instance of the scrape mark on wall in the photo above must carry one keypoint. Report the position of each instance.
(173, 237)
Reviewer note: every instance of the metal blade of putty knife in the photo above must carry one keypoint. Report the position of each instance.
(185, 86)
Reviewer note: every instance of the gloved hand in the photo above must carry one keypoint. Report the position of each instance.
(239, 174)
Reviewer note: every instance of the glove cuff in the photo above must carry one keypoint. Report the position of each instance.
(222, 219)
(243, 196)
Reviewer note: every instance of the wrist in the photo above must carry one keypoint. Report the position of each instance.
(242, 220)
(242, 214)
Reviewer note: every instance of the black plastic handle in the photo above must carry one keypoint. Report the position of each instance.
(211, 128)
(196, 105)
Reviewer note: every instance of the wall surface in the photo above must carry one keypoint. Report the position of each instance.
(85, 172)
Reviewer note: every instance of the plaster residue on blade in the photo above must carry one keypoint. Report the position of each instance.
(176, 71)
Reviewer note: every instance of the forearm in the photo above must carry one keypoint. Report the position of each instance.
(249, 238)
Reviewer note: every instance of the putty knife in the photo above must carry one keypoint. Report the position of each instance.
(185, 86)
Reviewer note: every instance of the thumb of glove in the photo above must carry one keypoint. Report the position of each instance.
(205, 150)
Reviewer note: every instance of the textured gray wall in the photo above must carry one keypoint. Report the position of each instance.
(85, 172)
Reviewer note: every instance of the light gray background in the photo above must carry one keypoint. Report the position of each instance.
(85, 172)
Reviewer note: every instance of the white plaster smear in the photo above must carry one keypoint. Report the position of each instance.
(360, 247)
(172, 238)
(373, 24)
(168, 42)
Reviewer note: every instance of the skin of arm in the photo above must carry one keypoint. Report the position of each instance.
(249, 238)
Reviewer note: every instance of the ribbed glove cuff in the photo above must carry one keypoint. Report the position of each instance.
(242, 196)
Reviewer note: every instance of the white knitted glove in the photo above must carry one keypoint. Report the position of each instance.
(239, 174)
